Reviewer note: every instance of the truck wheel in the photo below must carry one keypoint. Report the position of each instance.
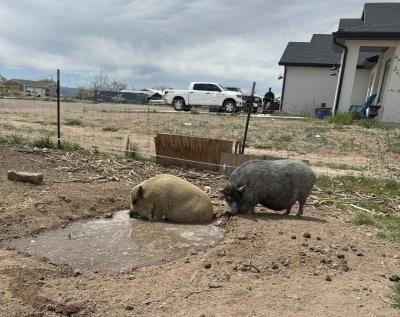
(178, 104)
(229, 106)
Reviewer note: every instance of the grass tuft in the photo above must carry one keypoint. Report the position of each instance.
(110, 129)
(72, 122)
(343, 118)
(45, 142)
(396, 288)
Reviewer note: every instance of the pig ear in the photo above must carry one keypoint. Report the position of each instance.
(140, 192)
(241, 188)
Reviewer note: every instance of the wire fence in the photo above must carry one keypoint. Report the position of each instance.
(365, 148)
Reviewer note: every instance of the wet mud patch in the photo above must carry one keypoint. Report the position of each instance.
(117, 244)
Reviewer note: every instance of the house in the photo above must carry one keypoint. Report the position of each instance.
(366, 52)
(310, 74)
(29, 87)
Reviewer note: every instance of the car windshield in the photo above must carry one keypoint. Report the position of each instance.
(233, 89)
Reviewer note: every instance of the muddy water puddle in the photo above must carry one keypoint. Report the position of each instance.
(117, 244)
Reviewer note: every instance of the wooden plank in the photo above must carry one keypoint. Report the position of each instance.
(190, 151)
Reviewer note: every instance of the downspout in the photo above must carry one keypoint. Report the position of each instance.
(283, 89)
(342, 67)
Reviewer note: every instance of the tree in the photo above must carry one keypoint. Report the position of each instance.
(116, 86)
(100, 82)
(2, 78)
(84, 93)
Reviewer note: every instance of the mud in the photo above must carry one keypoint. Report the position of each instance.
(118, 244)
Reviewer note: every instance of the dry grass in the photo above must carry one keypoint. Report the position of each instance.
(367, 148)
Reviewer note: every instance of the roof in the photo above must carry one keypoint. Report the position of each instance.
(379, 19)
(33, 83)
(319, 52)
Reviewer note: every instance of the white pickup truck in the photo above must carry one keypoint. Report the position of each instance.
(215, 96)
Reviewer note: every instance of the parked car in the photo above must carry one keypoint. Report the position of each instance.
(213, 95)
(257, 100)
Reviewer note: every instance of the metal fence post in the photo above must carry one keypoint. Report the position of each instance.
(58, 111)
(248, 117)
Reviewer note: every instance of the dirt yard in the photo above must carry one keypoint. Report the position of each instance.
(268, 265)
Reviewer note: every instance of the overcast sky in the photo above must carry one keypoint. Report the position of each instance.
(151, 42)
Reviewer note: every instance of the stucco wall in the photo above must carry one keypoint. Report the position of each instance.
(307, 87)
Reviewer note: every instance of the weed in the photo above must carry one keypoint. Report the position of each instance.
(110, 129)
(73, 122)
(343, 118)
(133, 151)
(12, 139)
(194, 112)
(70, 146)
(45, 142)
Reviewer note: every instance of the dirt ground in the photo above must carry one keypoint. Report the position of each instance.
(265, 266)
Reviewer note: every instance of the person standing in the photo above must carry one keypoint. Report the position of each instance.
(269, 97)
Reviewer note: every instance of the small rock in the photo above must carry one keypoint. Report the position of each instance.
(242, 237)
(207, 265)
(394, 278)
(307, 235)
(353, 248)
(340, 256)
(186, 260)
(360, 254)
(293, 236)
(215, 285)
(302, 253)
(304, 244)
(129, 307)
(194, 252)
(345, 249)
(221, 253)
(275, 266)
(328, 278)
(323, 260)
(108, 215)
(317, 204)
(76, 273)
(280, 232)
(111, 200)
(318, 238)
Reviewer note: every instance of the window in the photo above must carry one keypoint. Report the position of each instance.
(202, 87)
(211, 87)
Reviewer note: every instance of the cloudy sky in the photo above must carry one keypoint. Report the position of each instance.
(153, 42)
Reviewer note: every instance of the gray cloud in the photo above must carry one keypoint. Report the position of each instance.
(145, 43)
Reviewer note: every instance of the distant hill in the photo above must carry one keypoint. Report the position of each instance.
(68, 92)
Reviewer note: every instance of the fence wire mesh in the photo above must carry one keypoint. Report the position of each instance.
(365, 147)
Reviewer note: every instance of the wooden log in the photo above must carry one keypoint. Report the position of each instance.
(34, 178)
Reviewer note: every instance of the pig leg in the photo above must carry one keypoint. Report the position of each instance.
(288, 210)
(302, 202)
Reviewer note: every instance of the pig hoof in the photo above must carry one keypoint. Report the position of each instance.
(299, 214)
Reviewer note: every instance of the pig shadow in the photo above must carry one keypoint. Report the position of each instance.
(277, 216)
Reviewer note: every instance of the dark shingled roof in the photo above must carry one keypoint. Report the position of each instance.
(378, 18)
(33, 83)
(319, 52)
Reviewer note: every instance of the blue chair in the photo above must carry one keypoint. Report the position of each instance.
(362, 109)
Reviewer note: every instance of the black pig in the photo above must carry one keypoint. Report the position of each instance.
(276, 185)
